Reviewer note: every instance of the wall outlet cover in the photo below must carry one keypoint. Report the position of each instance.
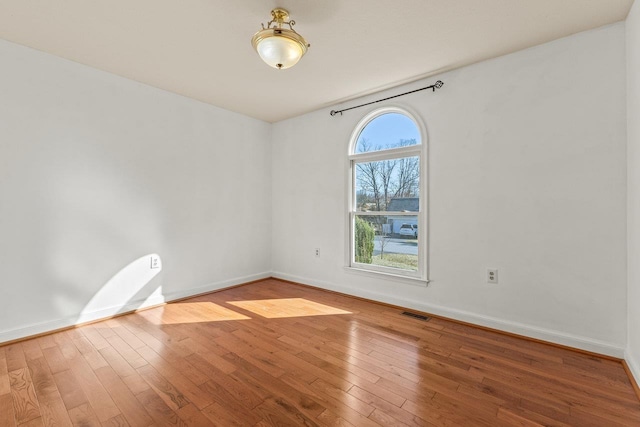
(154, 262)
(492, 276)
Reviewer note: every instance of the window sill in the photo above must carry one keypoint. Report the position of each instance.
(416, 281)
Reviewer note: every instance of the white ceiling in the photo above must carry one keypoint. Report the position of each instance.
(201, 48)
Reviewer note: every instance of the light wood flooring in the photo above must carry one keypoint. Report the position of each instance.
(274, 353)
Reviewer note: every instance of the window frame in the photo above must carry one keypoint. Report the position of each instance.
(420, 150)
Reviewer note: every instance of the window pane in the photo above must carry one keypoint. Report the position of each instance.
(388, 185)
(391, 130)
(387, 241)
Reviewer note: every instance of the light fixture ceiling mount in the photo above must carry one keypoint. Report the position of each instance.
(279, 47)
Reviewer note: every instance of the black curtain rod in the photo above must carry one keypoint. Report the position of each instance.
(436, 85)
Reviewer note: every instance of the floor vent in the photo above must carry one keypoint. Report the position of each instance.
(414, 315)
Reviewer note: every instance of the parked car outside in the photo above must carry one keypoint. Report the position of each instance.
(407, 230)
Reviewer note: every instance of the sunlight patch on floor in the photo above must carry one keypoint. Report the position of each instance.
(287, 307)
(192, 312)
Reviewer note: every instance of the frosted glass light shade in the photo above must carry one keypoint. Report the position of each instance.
(279, 48)
(279, 52)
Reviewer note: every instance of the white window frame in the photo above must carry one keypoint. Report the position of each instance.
(420, 151)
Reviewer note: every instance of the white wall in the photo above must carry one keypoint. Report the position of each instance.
(527, 174)
(633, 181)
(97, 171)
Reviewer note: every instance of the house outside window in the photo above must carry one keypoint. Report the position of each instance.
(387, 195)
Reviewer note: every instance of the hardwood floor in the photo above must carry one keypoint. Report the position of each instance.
(274, 353)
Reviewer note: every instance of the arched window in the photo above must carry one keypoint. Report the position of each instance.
(387, 207)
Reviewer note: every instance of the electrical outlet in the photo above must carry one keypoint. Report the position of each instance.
(492, 276)
(155, 262)
(317, 252)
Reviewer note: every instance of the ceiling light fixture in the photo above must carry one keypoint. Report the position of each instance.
(279, 47)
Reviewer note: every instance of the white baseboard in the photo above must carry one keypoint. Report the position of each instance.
(107, 312)
(216, 286)
(552, 336)
(632, 363)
